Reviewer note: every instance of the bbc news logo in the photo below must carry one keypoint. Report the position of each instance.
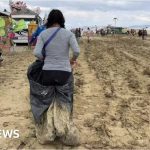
(9, 134)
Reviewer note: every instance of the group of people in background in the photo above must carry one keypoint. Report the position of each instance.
(142, 33)
(80, 32)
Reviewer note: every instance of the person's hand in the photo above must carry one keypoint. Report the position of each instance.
(73, 63)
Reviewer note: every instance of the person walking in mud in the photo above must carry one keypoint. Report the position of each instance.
(35, 35)
(80, 32)
(1, 58)
(88, 34)
(11, 35)
(52, 99)
(77, 34)
(144, 34)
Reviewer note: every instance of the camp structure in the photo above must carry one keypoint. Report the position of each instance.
(21, 18)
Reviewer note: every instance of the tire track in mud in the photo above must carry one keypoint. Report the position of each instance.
(89, 105)
(125, 85)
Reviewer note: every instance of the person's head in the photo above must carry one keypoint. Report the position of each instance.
(55, 17)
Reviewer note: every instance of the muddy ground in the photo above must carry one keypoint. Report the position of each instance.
(112, 95)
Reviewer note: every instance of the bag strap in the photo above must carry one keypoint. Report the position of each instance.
(49, 40)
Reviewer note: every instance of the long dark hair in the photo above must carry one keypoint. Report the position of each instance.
(55, 16)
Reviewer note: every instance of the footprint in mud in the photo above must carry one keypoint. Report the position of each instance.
(148, 88)
(5, 109)
(147, 71)
(13, 87)
(109, 92)
(89, 122)
(2, 82)
(134, 84)
(6, 124)
(21, 146)
(78, 82)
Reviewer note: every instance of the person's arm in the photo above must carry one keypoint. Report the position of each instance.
(75, 47)
(34, 36)
(38, 48)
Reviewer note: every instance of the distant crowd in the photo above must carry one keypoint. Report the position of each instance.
(79, 32)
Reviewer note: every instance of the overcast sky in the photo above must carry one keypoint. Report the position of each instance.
(94, 12)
